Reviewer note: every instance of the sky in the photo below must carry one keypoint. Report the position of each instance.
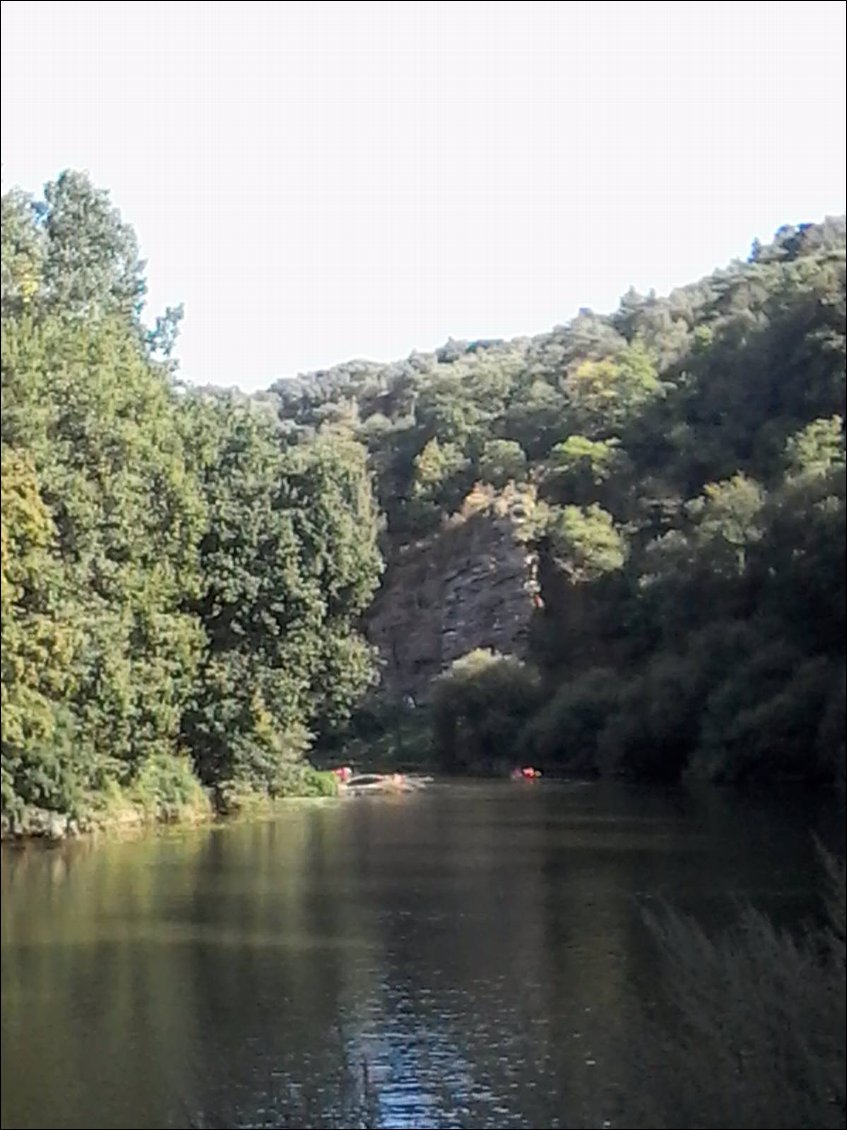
(320, 182)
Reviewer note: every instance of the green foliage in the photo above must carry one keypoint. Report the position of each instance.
(563, 734)
(502, 461)
(579, 470)
(288, 561)
(605, 395)
(653, 726)
(439, 477)
(765, 718)
(816, 450)
(584, 542)
(167, 790)
(39, 765)
(320, 783)
(181, 590)
(727, 523)
(383, 735)
(535, 418)
(758, 1031)
(479, 706)
(689, 457)
(91, 264)
(188, 573)
(22, 253)
(98, 423)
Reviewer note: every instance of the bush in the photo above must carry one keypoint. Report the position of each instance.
(757, 1035)
(502, 461)
(168, 791)
(762, 721)
(565, 731)
(479, 709)
(654, 728)
(320, 783)
(266, 759)
(383, 735)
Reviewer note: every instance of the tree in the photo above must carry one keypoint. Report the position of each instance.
(441, 480)
(39, 766)
(191, 571)
(176, 574)
(728, 522)
(579, 468)
(288, 561)
(502, 461)
(585, 542)
(479, 706)
(535, 418)
(606, 395)
(91, 263)
(816, 450)
(22, 252)
(99, 424)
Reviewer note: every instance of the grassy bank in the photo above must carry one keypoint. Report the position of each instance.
(166, 792)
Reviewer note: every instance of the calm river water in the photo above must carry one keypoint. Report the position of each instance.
(478, 947)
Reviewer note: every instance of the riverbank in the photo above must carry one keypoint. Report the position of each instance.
(143, 806)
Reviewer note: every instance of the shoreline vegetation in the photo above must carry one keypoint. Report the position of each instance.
(188, 572)
(134, 812)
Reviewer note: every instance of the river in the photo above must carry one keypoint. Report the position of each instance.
(477, 947)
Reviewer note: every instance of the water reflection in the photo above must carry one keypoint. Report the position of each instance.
(476, 946)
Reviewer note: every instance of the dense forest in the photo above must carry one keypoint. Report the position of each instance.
(679, 468)
(186, 572)
(180, 589)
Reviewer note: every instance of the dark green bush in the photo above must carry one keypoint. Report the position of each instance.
(479, 708)
(564, 732)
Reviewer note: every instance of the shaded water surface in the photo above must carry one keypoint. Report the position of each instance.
(479, 947)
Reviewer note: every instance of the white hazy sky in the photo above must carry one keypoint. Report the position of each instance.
(318, 182)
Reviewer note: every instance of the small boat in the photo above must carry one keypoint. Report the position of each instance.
(527, 773)
(367, 783)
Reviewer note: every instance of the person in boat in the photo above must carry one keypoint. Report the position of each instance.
(527, 773)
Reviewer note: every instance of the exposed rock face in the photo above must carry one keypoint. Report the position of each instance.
(470, 585)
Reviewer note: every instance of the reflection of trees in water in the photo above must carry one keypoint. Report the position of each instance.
(93, 1018)
(483, 996)
(751, 1034)
(485, 957)
(342, 1098)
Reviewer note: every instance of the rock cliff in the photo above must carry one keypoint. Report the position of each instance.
(470, 585)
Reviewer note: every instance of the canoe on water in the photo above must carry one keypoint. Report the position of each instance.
(367, 783)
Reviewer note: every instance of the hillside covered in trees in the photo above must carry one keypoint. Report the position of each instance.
(679, 471)
(186, 575)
